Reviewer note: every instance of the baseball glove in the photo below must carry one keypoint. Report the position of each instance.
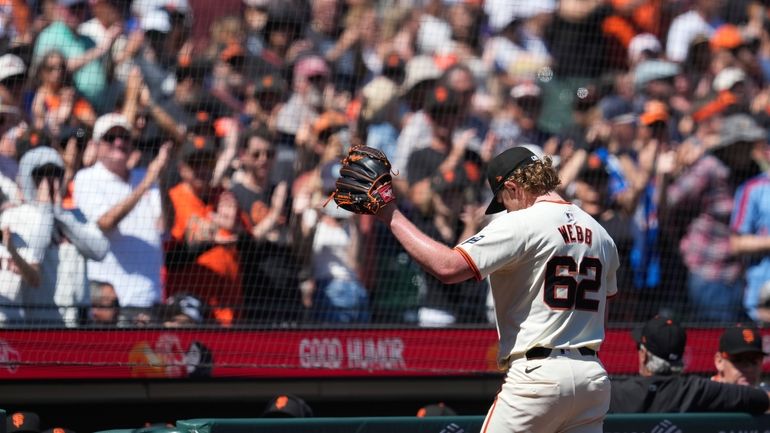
(365, 184)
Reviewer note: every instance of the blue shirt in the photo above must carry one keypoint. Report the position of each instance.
(91, 79)
(751, 216)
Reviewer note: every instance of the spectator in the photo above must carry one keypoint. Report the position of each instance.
(255, 19)
(660, 388)
(518, 50)
(106, 14)
(63, 289)
(421, 75)
(708, 183)
(380, 109)
(444, 187)
(26, 230)
(740, 355)
(638, 194)
(310, 90)
(56, 104)
(182, 311)
(83, 58)
(644, 46)
(204, 259)
(284, 28)
(267, 265)
(125, 204)
(750, 225)
(266, 100)
(12, 78)
(104, 304)
(339, 296)
(689, 25)
(287, 406)
(12, 127)
(517, 123)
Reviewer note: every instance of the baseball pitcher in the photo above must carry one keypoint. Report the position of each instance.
(551, 268)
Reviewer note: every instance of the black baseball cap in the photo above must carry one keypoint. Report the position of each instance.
(287, 406)
(58, 430)
(198, 149)
(22, 422)
(663, 337)
(741, 339)
(270, 82)
(502, 166)
(437, 409)
(442, 101)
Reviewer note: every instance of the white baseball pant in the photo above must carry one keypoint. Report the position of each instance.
(564, 392)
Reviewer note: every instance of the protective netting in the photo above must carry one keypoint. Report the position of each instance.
(165, 162)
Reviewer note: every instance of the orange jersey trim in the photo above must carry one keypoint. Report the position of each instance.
(469, 261)
(489, 417)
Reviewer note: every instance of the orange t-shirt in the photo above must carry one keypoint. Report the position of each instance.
(81, 107)
(215, 275)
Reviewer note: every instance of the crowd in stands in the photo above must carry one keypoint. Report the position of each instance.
(154, 177)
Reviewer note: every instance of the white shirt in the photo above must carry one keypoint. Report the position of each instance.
(31, 229)
(331, 249)
(544, 263)
(684, 29)
(133, 262)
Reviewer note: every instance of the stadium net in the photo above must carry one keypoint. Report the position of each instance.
(167, 164)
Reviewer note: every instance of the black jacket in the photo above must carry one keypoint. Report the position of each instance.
(657, 394)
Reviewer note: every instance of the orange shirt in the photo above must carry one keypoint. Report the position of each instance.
(215, 275)
(81, 107)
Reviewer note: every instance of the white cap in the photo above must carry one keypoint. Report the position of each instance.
(502, 12)
(11, 65)
(525, 89)
(418, 69)
(141, 8)
(641, 43)
(727, 78)
(157, 20)
(256, 3)
(107, 122)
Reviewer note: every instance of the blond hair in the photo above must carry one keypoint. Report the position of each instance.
(537, 178)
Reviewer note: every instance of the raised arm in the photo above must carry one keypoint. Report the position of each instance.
(444, 263)
(112, 217)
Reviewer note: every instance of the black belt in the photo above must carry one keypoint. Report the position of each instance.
(544, 352)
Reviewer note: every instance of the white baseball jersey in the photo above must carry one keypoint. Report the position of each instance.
(551, 268)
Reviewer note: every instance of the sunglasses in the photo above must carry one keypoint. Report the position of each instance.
(110, 138)
(269, 153)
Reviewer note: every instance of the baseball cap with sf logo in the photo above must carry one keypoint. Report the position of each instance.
(23, 422)
(664, 338)
(287, 406)
(741, 339)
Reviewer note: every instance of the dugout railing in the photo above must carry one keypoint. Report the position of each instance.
(616, 423)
